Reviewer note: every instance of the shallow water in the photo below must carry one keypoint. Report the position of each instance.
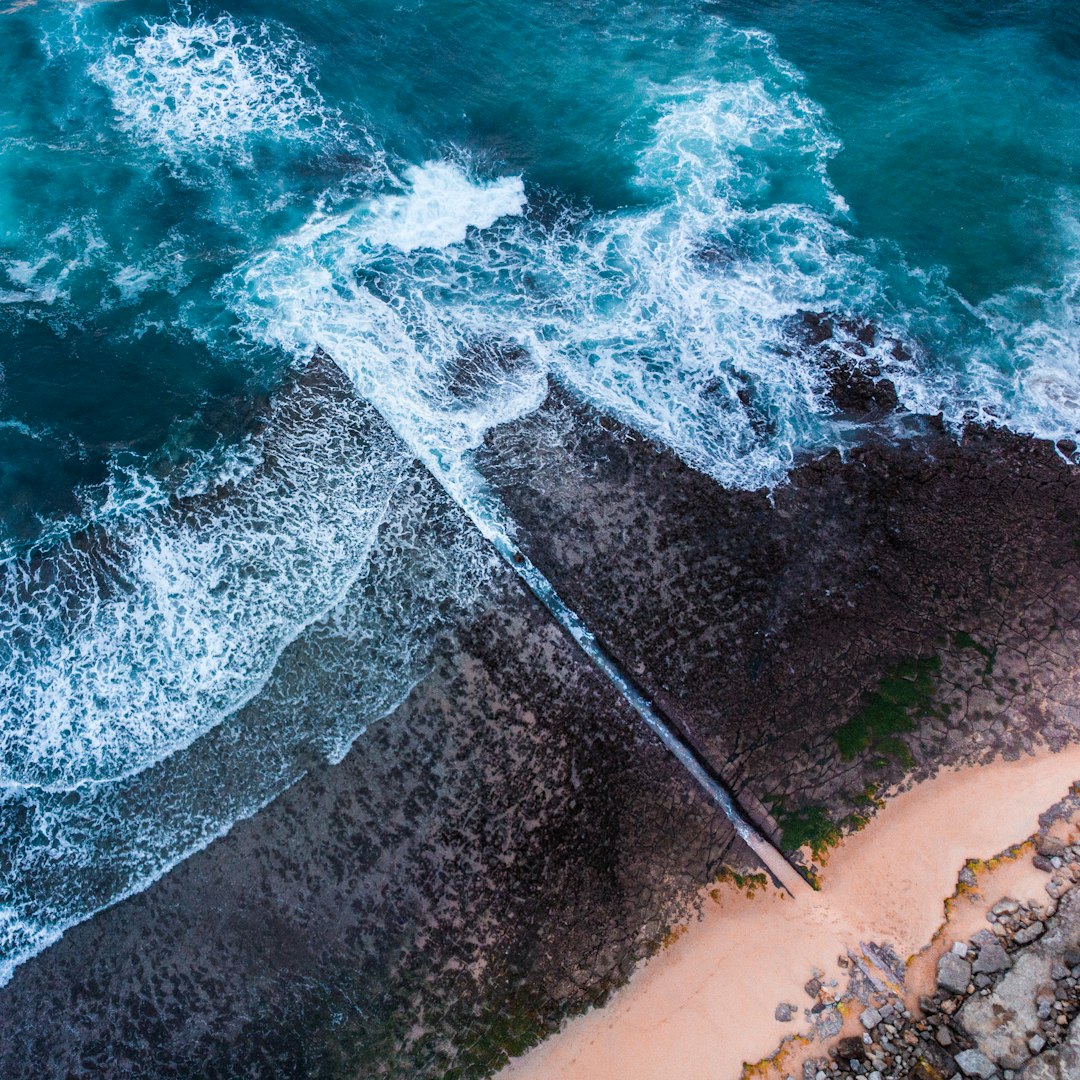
(457, 201)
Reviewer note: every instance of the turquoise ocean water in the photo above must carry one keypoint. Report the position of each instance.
(457, 201)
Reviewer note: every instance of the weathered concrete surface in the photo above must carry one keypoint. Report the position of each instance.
(500, 850)
(763, 625)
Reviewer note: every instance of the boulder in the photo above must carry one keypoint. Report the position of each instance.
(1049, 847)
(851, 1049)
(992, 958)
(1029, 933)
(1002, 1022)
(953, 973)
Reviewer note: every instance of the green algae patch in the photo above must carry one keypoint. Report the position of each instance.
(812, 827)
(963, 640)
(903, 695)
(747, 883)
(808, 827)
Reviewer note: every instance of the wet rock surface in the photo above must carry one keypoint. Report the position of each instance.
(848, 353)
(500, 850)
(504, 848)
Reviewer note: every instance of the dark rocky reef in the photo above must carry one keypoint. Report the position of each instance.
(502, 849)
(498, 852)
(876, 616)
(845, 350)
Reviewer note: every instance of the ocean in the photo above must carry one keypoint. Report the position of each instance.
(459, 203)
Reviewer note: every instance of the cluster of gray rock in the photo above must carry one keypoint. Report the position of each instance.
(1006, 1005)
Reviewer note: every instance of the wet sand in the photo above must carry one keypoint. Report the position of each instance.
(705, 1006)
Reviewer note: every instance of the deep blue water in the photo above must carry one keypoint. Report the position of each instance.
(637, 197)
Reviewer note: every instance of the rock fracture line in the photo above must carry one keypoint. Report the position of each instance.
(467, 491)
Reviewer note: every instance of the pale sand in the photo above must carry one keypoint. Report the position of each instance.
(704, 1006)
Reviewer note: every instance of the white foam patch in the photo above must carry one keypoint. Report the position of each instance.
(205, 90)
(440, 207)
(663, 315)
(123, 648)
(309, 292)
(72, 850)
(44, 274)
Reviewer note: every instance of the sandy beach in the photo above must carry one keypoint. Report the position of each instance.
(704, 1007)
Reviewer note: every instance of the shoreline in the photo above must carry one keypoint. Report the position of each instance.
(693, 1009)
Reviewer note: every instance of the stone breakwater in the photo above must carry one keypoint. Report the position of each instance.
(1005, 1004)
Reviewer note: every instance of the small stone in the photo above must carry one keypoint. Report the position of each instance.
(975, 1063)
(1049, 847)
(813, 988)
(1041, 862)
(1029, 933)
(953, 973)
(943, 1036)
(784, 1012)
(967, 877)
(992, 958)
(1036, 1044)
(960, 948)
(1008, 906)
(851, 1049)
(829, 1023)
(870, 1018)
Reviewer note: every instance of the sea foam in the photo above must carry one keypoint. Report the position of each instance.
(669, 315)
(204, 91)
(122, 646)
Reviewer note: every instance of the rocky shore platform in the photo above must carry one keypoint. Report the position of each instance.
(503, 849)
(911, 605)
(500, 850)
